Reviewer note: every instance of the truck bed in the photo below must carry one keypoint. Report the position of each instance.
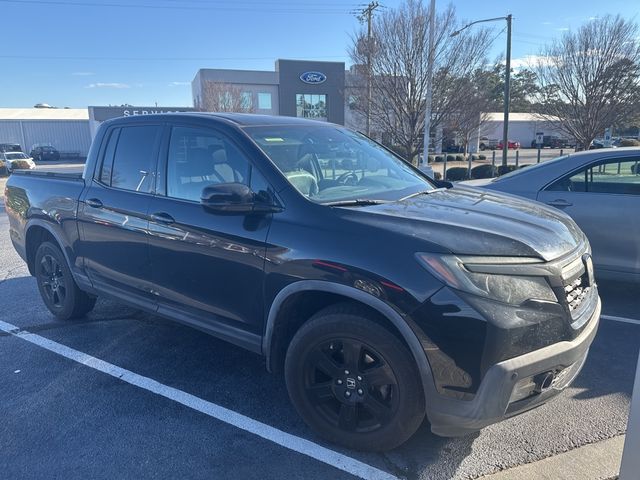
(44, 173)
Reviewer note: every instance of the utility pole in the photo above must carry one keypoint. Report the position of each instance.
(429, 95)
(507, 81)
(368, 14)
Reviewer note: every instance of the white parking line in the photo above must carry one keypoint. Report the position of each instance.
(620, 319)
(292, 442)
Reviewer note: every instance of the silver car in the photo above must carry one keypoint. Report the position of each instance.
(600, 190)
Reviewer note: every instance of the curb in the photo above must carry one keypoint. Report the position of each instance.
(596, 461)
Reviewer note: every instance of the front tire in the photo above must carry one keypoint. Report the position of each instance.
(57, 287)
(353, 381)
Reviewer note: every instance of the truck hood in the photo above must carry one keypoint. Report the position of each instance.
(470, 221)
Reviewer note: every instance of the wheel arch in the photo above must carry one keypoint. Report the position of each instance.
(277, 319)
(36, 233)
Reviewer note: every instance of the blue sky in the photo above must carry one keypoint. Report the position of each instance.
(98, 52)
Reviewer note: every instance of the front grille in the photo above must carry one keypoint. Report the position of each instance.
(576, 291)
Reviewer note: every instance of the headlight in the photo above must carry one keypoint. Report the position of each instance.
(476, 275)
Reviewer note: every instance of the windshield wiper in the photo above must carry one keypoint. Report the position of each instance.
(358, 202)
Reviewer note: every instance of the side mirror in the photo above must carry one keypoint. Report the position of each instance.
(235, 198)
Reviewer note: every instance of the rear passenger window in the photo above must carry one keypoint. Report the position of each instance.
(615, 176)
(134, 158)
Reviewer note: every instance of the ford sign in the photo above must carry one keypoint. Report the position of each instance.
(313, 77)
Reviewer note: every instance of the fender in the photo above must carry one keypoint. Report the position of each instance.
(384, 309)
(81, 279)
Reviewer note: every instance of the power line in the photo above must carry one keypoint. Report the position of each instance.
(152, 59)
(232, 7)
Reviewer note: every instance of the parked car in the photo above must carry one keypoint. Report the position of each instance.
(511, 145)
(381, 294)
(552, 141)
(600, 143)
(45, 153)
(600, 190)
(17, 161)
(488, 143)
(10, 147)
(450, 145)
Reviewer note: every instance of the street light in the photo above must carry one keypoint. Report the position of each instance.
(507, 80)
(429, 96)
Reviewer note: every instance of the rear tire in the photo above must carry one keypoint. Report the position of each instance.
(57, 287)
(353, 381)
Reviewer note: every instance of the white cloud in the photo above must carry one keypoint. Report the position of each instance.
(108, 85)
(530, 61)
(82, 74)
(547, 23)
(563, 29)
(178, 84)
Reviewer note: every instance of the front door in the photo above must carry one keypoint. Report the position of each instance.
(208, 268)
(604, 200)
(113, 214)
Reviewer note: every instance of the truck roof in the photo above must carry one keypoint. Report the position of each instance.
(239, 119)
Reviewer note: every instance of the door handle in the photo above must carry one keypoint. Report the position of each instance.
(162, 217)
(559, 202)
(94, 202)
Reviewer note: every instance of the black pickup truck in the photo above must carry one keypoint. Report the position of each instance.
(382, 295)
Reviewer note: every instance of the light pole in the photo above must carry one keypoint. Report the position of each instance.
(428, 100)
(507, 80)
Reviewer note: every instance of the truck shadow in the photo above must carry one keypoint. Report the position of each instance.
(186, 359)
(213, 370)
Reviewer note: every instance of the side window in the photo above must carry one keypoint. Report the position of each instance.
(201, 157)
(615, 176)
(134, 158)
(107, 162)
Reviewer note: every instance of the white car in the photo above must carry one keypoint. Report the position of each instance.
(17, 160)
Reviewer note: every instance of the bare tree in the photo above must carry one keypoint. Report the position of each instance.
(589, 78)
(224, 97)
(399, 70)
(468, 120)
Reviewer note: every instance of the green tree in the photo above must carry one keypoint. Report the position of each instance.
(523, 88)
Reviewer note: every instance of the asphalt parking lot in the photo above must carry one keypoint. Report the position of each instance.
(122, 394)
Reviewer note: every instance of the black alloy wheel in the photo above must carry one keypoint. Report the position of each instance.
(51, 278)
(354, 381)
(351, 385)
(58, 289)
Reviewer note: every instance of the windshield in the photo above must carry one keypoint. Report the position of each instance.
(515, 173)
(16, 156)
(330, 164)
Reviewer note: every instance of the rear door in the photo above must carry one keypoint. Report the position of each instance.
(113, 213)
(604, 200)
(207, 268)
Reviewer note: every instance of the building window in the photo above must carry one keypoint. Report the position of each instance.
(225, 100)
(311, 106)
(264, 101)
(246, 101)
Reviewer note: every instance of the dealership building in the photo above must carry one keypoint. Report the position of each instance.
(295, 88)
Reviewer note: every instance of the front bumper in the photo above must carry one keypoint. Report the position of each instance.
(493, 402)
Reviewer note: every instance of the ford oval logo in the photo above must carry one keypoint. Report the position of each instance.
(313, 77)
